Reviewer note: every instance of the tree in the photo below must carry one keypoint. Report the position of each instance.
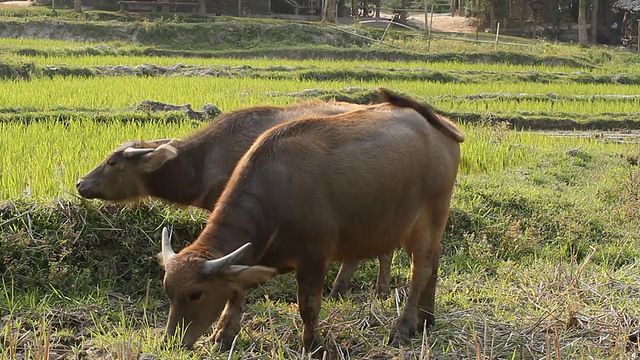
(492, 15)
(328, 11)
(582, 23)
(77, 5)
(594, 21)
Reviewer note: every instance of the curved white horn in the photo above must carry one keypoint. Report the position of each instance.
(167, 251)
(159, 141)
(131, 151)
(214, 266)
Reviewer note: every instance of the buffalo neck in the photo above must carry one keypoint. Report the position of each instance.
(235, 223)
(178, 180)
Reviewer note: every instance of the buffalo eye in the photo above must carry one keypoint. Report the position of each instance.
(111, 161)
(194, 296)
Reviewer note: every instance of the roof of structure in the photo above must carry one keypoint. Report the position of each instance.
(632, 5)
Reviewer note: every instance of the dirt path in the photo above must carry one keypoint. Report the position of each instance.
(445, 23)
(440, 22)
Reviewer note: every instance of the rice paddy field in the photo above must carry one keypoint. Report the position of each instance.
(540, 255)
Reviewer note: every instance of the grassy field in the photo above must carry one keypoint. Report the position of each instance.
(540, 256)
(540, 251)
(115, 93)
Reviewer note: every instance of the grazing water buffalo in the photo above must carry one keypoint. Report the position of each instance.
(316, 190)
(194, 171)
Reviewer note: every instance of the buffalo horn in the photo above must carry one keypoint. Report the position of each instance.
(159, 141)
(214, 266)
(131, 151)
(167, 251)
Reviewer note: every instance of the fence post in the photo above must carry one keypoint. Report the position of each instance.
(430, 26)
(426, 14)
(497, 34)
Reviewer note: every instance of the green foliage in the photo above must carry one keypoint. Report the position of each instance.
(58, 151)
(74, 246)
(14, 68)
(238, 34)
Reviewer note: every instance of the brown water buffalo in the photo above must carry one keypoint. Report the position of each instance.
(317, 190)
(194, 171)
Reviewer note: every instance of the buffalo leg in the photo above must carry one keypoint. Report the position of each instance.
(384, 274)
(437, 224)
(407, 323)
(424, 246)
(229, 324)
(427, 306)
(343, 279)
(310, 284)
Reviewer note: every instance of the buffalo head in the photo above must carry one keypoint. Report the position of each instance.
(198, 288)
(120, 177)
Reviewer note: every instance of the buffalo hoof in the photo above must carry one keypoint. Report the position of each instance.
(320, 353)
(382, 291)
(427, 318)
(314, 345)
(339, 291)
(336, 295)
(398, 337)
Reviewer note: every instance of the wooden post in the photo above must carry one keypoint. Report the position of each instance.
(202, 7)
(497, 34)
(426, 14)
(594, 21)
(475, 6)
(239, 7)
(324, 11)
(430, 26)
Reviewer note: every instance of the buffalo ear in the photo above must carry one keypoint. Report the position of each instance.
(155, 159)
(246, 277)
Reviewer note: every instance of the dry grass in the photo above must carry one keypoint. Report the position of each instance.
(535, 311)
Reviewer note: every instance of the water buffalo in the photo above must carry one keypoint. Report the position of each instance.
(317, 190)
(194, 171)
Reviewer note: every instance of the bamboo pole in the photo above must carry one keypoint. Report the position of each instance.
(362, 36)
(386, 30)
(430, 26)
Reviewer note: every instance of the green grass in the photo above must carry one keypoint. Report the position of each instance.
(45, 44)
(104, 60)
(47, 158)
(539, 257)
(230, 93)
